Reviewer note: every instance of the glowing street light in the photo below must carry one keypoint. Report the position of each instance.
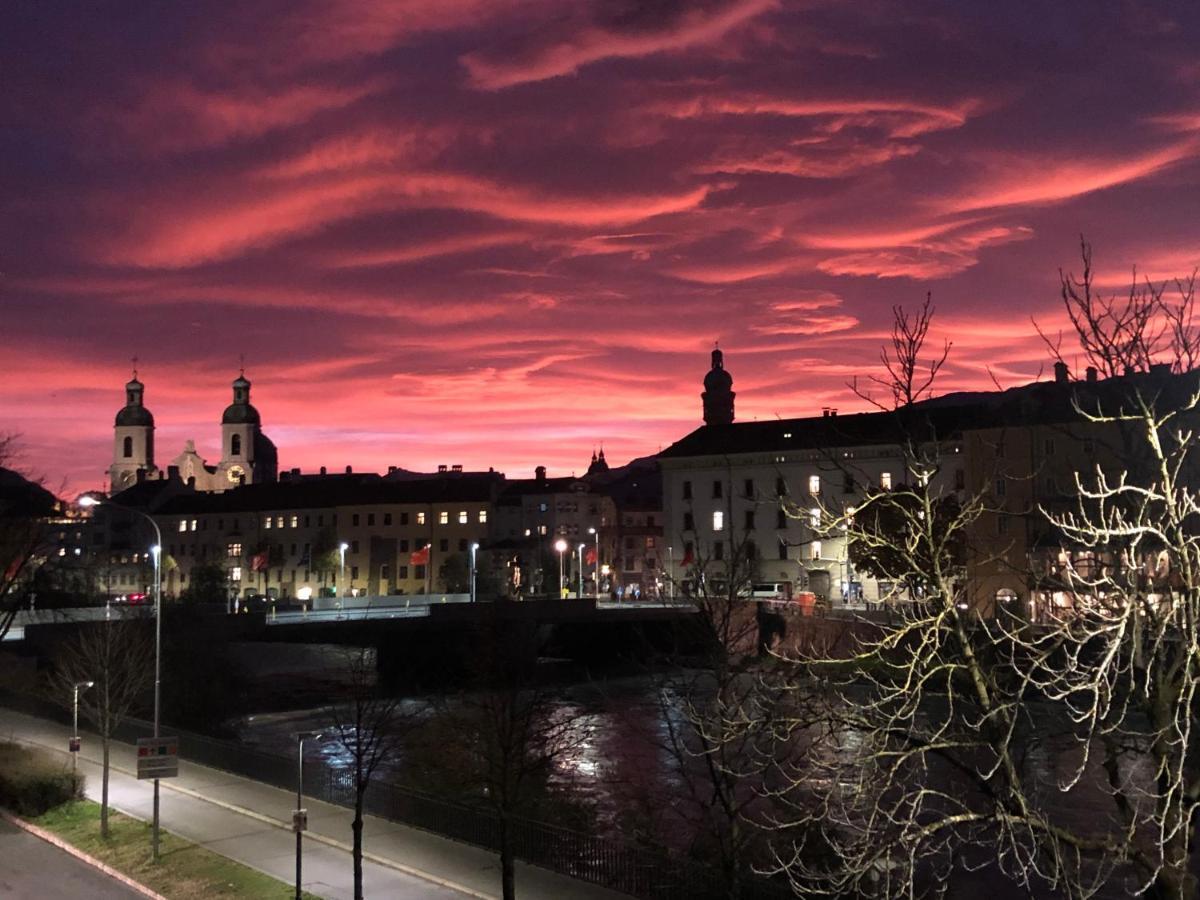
(561, 546)
(75, 689)
(596, 533)
(341, 585)
(474, 548)
(300, 817)
(579, 596)
(87, 501)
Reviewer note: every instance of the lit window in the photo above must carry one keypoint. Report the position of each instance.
(541, 529)
(814, 484)
(268, 522)
(234, 550)
(814, 517)
(420, 518)
(62, 551)
(295, 521)
(443, 518)
(279, 521)
(193, 525)
(462, 517)
(718, 521)
(885, 480)
(815, 550)
(236, 573)
(183, 524)
(483, 517)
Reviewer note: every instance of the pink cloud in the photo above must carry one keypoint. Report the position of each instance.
(694, 28)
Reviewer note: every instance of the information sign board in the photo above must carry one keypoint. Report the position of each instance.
(157, 757)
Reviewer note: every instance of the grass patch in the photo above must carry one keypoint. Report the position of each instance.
(32, 782)
(186, 871)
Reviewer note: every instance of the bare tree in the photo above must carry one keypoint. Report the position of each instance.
(907, 376)
(119, 657)
(24, 508)
(719, 709)
(511, 727)
(369, 725)
(924, 765)
(1122, 657)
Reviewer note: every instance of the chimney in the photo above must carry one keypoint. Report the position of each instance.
(1160, 370)
(296, 473)
(1091, 374)
(1061, 373)
(457, 467)
(391, 469)
(141, 475)
(832, 413)
(441, 468)
(349, 470)
(540, 473)
(322, 470)
(172, 472)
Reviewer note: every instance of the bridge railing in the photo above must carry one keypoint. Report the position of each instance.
(641, 872)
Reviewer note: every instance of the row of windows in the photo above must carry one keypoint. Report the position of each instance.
(293, 521)
(750, 550)
(750, 520)
(849, 485)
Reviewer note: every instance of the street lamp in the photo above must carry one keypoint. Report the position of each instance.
(87, 501)
(596, 532)
(561, 546)
(580, 549)
(75, 689)
(474, 548)
(341, 585)
(300, 817)
(671, 572)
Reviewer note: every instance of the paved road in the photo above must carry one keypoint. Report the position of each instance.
(251, 822)
(31, 869)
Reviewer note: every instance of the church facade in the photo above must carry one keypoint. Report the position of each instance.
(247, 455)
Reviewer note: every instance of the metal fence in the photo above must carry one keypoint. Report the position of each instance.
(644, 873)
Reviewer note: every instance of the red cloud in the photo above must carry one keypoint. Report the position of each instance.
(696, 27)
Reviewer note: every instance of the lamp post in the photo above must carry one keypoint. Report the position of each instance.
(300, 818)
(595, 532)
(671, 573)
(580, 549)
(89, 501)
(75, 689)
(341, 585)
(561, 546)
(474, 548)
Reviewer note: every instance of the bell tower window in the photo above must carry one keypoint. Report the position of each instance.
(235, 445)
(127, 447)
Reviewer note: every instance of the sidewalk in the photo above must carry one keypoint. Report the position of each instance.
(251, 822)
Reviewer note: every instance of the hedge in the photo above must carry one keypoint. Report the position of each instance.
(32, 783)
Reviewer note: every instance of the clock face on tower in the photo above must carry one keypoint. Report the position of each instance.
(235, 474)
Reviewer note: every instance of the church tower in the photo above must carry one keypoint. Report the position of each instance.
(718, 393)
(133, 439)
(247, 455)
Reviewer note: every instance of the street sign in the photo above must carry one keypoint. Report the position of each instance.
(73, 744)
(157, 757)
(299, 820)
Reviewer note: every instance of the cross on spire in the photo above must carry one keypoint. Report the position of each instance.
(135, 362)
(242, 364)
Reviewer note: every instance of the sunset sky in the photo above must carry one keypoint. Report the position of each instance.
(503, 232)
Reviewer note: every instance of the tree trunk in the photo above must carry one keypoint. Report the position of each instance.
(508, 875)
(104, 742)
(357, 828)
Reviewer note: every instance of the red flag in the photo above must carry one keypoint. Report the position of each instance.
(590, 557)
(420, 557)
(258, 562)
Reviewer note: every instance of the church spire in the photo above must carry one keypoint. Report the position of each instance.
(717, 398)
